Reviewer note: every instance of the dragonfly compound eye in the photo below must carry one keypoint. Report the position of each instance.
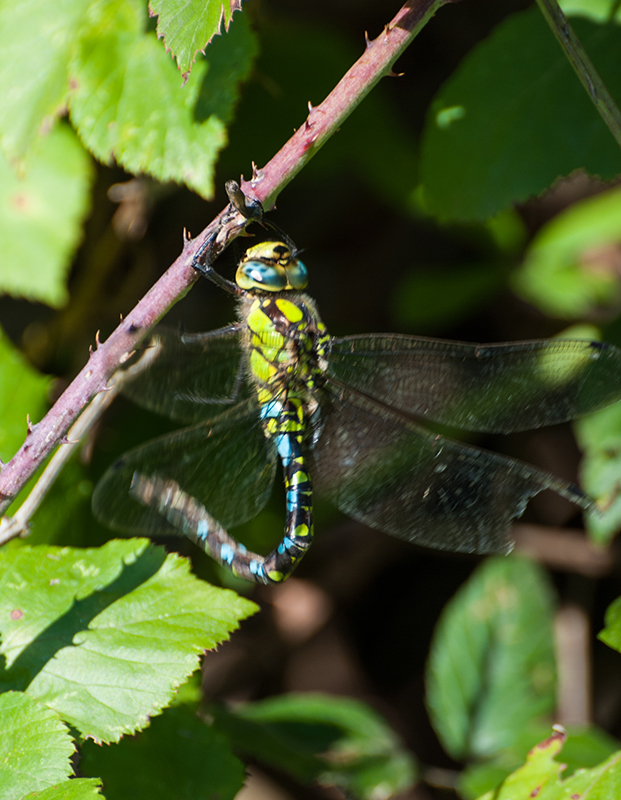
(297, 274)
(259, 275)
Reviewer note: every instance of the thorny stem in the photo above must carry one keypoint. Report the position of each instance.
(583, 66)
(321, 123)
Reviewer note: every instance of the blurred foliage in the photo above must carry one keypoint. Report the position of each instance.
(477, 173)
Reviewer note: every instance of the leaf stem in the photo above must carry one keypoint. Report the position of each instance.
(583, 66)
(320, 124)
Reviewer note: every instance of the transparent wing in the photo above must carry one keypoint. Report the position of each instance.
(496, 388)
(226, 463)
(189, 377)
(386, 471)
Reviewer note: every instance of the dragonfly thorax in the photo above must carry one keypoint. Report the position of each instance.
(271, 267)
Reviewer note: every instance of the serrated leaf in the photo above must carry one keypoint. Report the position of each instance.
(177, 756)
(22, 391)
(188, 28)
(491, 668)
(570, 268)
(35, 747)
(105, 636)
(129, 104)
(331, 740)
(540, 777)
(76, 789)
(584, 747)
(540, 769)
(41, 216)
(502, 129)
(599, 438)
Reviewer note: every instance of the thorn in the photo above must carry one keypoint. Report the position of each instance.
(121, 316)
(30, 425)
(310, 107)
(90, 349)
(392, 74)
(97, 342)
(64, 440)
(126, 356)
(367, 41)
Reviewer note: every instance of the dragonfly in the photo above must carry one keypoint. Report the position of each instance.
(347, 417)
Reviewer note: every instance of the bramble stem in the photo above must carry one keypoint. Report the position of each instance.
(582, 65)
(321, 123)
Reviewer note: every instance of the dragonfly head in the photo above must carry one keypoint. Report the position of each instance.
(271, 267)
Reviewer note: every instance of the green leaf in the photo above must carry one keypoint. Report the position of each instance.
(611, 634)
(333, 741)
(129, 103)
(22, 391)
(570, 268)
(76, 789)
(597, 10)
(599, 438)
(35, 747)
(540, 770)
(491, 668)
(540, 777)
(585, 747)
(177, 756)
(502, 129)
(105, 636)
(36, 38)
(187, 28)
(41, 216)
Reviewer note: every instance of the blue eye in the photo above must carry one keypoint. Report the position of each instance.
(297, 275)
(259, 275)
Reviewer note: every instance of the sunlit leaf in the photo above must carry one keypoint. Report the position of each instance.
(35, 747)
(187, 28)
(105, 636)
(571, 266)
(41, 216)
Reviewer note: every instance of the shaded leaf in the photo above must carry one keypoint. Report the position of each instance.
(22, 391)
(333, 741)
(177, 756)
(42, 216)
(491, 668)
(105, 636)
(188, 28)
(599, 438)
(498, 131)
(35, 747)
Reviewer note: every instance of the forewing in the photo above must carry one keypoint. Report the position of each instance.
(386, 471)
(189, 377)
(226, 463)
(496, 388)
